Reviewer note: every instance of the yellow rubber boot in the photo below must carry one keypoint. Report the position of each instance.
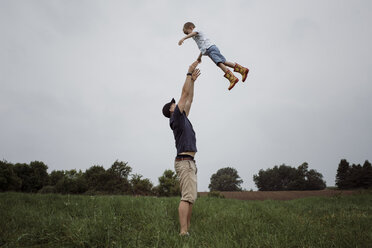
(231, 77)
(242, 70)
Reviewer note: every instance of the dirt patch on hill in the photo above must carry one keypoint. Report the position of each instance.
(280, 195)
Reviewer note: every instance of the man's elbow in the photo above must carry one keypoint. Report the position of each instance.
(189, 102)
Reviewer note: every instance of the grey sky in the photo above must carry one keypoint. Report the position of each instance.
(83, 83)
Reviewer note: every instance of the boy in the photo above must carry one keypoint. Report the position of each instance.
(211, 50)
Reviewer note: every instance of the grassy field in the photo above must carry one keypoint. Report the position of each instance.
(281, 195)
(35, 220)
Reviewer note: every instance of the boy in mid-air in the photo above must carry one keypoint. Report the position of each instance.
(208, 48)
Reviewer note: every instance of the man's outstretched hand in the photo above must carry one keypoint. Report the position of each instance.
(193, 66)
(195, 74)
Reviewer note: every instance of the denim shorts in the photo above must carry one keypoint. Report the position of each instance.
(214, 53)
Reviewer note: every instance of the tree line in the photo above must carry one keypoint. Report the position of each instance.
(354, 176)
(285, 177)
(34, 178)
(117, 179)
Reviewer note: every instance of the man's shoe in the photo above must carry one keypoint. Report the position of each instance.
(242, 70)
(231, 77)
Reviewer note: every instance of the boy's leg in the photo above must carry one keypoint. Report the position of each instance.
(214, 53)
(226, 63)
(223, 67)
(229, 64)
(241, 69)
(229, 75)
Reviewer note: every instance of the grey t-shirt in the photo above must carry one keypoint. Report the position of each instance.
(202, 41)
(183, 131)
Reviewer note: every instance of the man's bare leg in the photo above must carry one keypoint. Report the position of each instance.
(183, 212)
(189, 216)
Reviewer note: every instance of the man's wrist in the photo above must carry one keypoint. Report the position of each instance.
(189, 74)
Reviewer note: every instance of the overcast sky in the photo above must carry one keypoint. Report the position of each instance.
(83, 83)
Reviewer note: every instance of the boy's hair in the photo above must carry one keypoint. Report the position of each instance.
(188, 25)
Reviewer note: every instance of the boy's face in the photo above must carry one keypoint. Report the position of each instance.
(187, 30)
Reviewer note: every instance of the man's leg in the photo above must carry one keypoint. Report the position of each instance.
(183, 212)
(189, 216)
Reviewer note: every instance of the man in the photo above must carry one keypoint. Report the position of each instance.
(186, 147)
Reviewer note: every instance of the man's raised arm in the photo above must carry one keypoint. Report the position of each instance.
(187, 95)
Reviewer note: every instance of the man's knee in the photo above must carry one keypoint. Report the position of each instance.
(187, 201)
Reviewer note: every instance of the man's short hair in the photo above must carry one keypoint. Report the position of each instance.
(188, 25)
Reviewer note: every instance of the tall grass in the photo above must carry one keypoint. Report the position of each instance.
(34, 220)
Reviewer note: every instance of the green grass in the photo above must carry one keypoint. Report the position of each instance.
(35, 220)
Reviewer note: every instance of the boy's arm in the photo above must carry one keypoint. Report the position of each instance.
(199, 58)
(184, 104)
(186, 37)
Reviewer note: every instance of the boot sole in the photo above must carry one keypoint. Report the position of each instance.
(237, 80)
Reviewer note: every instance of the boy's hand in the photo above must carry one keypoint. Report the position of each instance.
(180, 42)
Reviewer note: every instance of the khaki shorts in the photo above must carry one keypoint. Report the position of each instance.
(186, 173)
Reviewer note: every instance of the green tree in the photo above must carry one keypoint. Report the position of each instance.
(8, 178)
(24, 172)
(55, 176)
(355, 176)
(97, 178)
(118, 181)
(271, 179)
(267, 179)
(72, 182)
(39, 176)
(314, 181)
(168, 184)
(343, 174)
(140, 186)
(120, 169)
(113, 181)
(34, 176)
(226, 179)
(289, 178)
(366, 179)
